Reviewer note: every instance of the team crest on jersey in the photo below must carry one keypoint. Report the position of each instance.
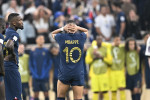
(43, 53)
(4, 36)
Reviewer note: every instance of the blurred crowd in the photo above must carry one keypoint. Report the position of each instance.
(126, 18)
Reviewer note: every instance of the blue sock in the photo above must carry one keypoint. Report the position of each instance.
(86, 97)
(60, 98)
(36, 98)
(138, 96)
(46, 98)
(77, 99)
(133, 97)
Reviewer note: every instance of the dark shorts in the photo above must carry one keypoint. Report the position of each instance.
(73, 80)
(133, 81)
(55, 85)
(25, 89)
(147, 77)
(40, 85)
(13, 87)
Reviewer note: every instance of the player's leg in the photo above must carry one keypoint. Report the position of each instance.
(44, 84)
(55, 87)
(104, 85)
(120, 77)
(2, 89)
(61, 90)
(15, 88)
(25, 91)
(77, 92)
(137, 87)
(36, 88)
(86, 86)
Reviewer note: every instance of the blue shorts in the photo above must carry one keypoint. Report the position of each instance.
(133, 81)
(13, 87)
(40, 85)
(73, 80)
(25, 89)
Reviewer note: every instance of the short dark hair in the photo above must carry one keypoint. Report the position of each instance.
(11, 16)
(70, 21)
(127, 43)
(117, 4)
(53, 45)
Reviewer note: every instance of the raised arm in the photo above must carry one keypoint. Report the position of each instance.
(82, 30)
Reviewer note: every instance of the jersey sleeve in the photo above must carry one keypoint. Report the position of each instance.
(108, 59)
(1, 39)
(14, 37)
(58, 37)
(88, 57)
(122, 17)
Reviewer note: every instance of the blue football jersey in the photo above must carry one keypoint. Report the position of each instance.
(12, 35)
(71, 53)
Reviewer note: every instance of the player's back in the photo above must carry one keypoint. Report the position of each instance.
(71, 53)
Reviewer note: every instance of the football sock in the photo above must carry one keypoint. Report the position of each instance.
(114, 95)
(106, 96)
(86, 97)
(137, 96)
(36, 98)
(133, 97)
(95, 96)
(46, 98)
(60, 98)
(122, 95)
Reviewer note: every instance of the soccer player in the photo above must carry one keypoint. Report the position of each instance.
(71, 71)
(99, 58)
(133, 76)
(2, 31)
(11, 42)
(40, 63)
(24, 71)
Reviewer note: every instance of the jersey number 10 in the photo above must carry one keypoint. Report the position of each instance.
(69, 54)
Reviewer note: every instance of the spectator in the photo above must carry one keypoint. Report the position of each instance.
(40, 63)
(104, 24)
(29, 30)
(127, 6)
(41, 21)
(30, 7)
(59, 20)
(13, 8)
(24, 71)
(133, 25)
(121, 20)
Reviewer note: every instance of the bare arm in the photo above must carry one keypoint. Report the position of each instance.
(10, 46)
(123, 25)
(1, 61)
(99, 32)
(55, 32)
(82, 30)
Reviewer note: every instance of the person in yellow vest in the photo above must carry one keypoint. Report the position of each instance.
(117, 69)
(133, 75)
(99, 58)
(24, 71)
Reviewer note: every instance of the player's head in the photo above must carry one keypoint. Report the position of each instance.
(116, 6)
(2, 26)
(70, 23)
(99, 40)
(21, 48)
(117, 40)
(104, 9)
(40, 40)
(15, 21)
(130, 44)
(54, 49)
(146, 36)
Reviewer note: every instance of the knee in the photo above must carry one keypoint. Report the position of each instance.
(61, 94)
(36, 94)
(136, 90)
(46, 94)
(121, 89)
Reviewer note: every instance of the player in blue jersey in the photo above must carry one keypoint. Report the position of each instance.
(40, 63)
(71, 70)
(2, 31)
(12, 76)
